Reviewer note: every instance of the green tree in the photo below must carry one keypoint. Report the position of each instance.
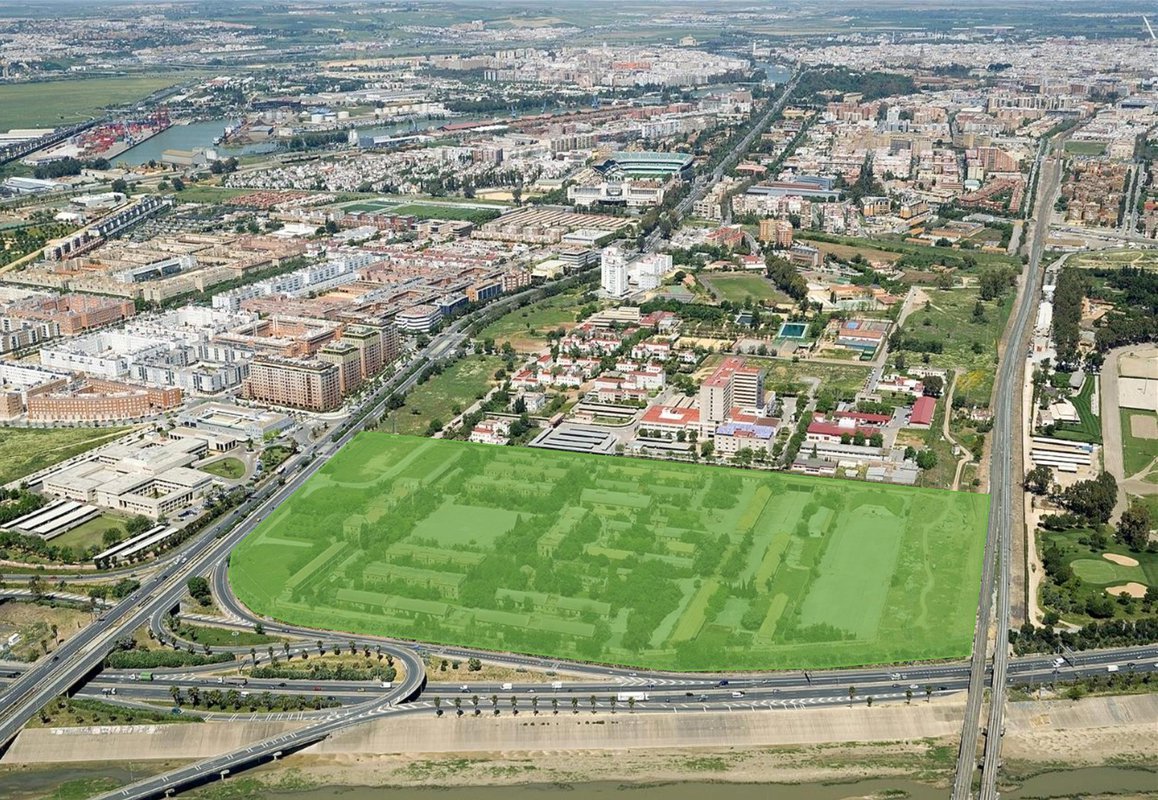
(1039, 479)
(199, 590)
(1134, 526)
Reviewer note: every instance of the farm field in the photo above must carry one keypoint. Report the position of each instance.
(26, 450)
(51, 103)
(526, 328)
(460, 385)
(738, 287)
(669, 566)
(967, 344)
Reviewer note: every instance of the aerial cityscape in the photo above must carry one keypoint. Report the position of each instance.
(491, 399)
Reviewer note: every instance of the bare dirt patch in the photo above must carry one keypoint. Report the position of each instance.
(1117, 558)
(1133, 588)
(1143, 427)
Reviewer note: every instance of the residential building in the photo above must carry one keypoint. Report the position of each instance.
(309, 385)
(613, 272)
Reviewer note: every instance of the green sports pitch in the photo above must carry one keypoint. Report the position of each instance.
(651, 564)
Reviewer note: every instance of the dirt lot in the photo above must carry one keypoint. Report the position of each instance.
(34, 624)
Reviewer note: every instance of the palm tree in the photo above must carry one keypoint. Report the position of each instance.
(908, 697)
(574, 705)
(613, 700)
(593, 702)
(475, 701)
(353, 647)
(555, 705)
(495, 701)
(928, 693)
(631, 704)
(535, 705)
(438, 706)
(286, 648)
(515, 705)
(321, 650)
(458, 706)
(175, 693)
(270, 651)
(851, 695)
(869, 701)
(194, 696)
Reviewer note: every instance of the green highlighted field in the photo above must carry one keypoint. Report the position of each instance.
(658, 565)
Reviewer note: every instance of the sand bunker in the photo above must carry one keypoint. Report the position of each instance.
(1133, 588)
(1143, 427)
(1125, 561)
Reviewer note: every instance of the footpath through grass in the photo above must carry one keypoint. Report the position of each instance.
(669, 566)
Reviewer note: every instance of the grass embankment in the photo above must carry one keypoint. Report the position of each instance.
(75, 712)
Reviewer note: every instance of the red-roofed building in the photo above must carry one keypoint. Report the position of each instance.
(844, 423)
(923, 409)
(669, 419)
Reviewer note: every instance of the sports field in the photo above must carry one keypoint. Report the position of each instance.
(671, 566)
(738, 287)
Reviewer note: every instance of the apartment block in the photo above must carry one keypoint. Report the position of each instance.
(309, 385)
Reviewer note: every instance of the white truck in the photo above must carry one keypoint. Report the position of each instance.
(624, 697)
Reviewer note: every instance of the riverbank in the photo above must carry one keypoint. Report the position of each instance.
(915, 745)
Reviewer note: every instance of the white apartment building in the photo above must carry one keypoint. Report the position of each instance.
(613, 272)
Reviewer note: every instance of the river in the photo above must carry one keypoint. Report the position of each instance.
(32, 784)
(201, 134)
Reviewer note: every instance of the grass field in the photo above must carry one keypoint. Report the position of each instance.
(1089, 429)
(24, 451)
(48, 104)
(737, 287)
(671, 566)
(91, 533)
(460, 385)
(1137, 453)
(1085, 148)
(786, 377)
(228, 467)
(201, 193)
(429, 210)
(968, 345)
(878, 249)
(526, 328)
(1113, 258)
